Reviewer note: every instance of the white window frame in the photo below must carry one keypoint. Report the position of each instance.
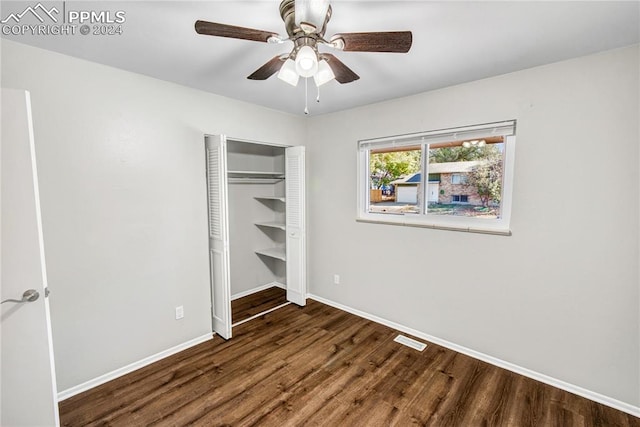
(500, 226)
(463, 180)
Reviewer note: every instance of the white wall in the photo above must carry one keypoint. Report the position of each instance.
(122, 182)
(560, 296)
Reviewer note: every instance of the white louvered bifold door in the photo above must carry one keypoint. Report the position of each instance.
(296, 229)
(218, 235)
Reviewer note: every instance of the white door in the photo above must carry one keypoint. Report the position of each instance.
(295, 219)
(28, 381)
(434, 189)
(216, 149)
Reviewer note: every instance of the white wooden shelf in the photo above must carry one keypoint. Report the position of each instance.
(270, 198)
(254, 177)
(255, 174)
(277, 253)
(271, 224)
(253, 180)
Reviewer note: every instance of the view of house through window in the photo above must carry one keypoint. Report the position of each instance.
(469, 178)
(463, 178)
(393, 177)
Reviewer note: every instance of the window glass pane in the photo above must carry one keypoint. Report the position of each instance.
(394, 180)
(458, 178)
(470, 178)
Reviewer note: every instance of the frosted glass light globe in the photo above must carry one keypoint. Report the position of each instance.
(306, 62)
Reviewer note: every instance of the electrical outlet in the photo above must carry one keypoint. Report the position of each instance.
(336, 279)
(179, 312)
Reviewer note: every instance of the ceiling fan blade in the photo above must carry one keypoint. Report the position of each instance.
(390, 41)
(224, 30)
(268, 69)
(343, 73)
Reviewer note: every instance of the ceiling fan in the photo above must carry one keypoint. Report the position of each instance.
(306, 22)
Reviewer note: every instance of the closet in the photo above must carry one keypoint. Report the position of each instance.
(256, 222)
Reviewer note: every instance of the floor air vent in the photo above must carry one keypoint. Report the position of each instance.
(416, 345)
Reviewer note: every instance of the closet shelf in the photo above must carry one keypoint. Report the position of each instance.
(255, 174)
(277, 253)
(270, 198)
(233, 180)
(254, 177)
(271, 224)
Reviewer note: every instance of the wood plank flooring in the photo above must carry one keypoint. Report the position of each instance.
(245, 307)
(319, 366)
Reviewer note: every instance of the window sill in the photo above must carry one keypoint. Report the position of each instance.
(450, 227)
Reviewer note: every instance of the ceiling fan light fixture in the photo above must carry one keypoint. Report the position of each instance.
(305, 22)
(325, 73)
(306, 61)
(288, 73)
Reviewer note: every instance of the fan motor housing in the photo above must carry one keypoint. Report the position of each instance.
(287, 12)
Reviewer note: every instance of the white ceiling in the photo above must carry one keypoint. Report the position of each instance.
(453, 42)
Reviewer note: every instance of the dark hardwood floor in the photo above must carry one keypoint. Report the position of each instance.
(245, 307)
(320, 366)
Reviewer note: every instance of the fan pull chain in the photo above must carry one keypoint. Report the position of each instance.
(306, 96)
(318, 97)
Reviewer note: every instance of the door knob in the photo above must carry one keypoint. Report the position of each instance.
(30, 295)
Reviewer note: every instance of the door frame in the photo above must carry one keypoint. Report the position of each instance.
(226, 139)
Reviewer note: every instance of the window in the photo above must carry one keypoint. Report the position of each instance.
(454, 178)
(460, 198)
(394, 176)
(458, 178)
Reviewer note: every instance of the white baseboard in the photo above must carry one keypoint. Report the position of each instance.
(571, 388)
(257, 289)
(65, 394)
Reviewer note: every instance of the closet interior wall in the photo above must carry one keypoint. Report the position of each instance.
(251, 202)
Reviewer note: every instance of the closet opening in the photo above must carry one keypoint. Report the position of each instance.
(256, 229)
